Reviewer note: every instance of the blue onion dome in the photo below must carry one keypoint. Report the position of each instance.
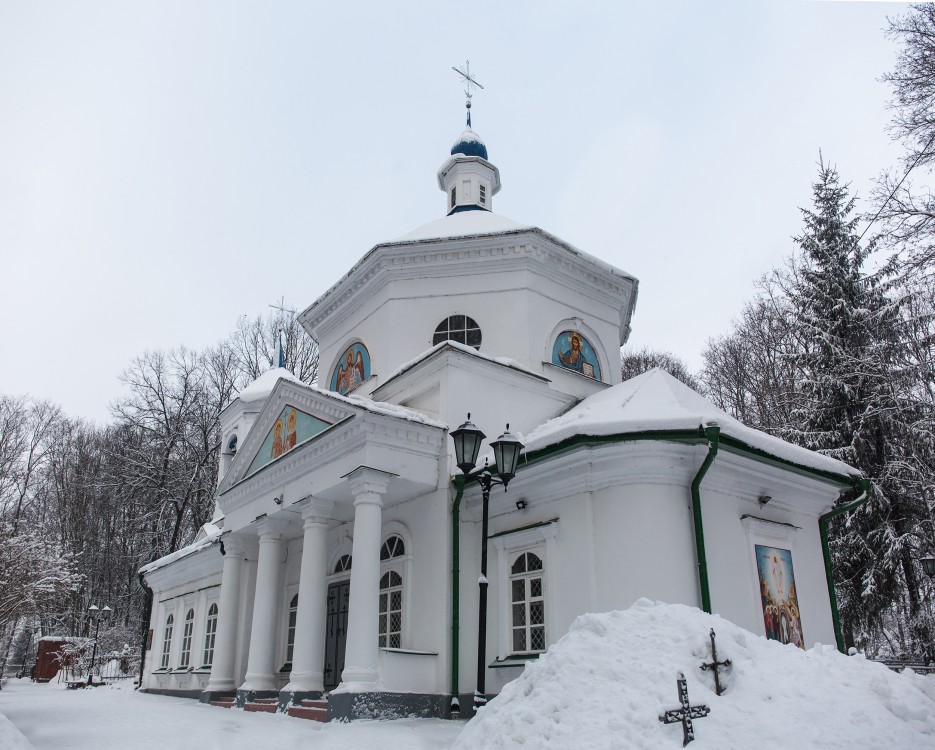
(469, 144)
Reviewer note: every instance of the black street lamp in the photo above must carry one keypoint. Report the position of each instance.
(97, 615)
(928, 565)
(506, 449)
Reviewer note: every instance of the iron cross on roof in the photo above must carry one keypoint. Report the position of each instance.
(685, 713)
(469, 83)
(282, 307)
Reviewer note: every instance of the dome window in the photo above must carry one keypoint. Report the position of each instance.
(458, 328)
(232, 444)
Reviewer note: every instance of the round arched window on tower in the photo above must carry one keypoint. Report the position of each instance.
(460, 328)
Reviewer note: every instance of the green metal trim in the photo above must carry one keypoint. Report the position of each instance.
(682, 436)
(712, 433)
(515, 661)
(523, 528)
(456, 585)
(863, 486)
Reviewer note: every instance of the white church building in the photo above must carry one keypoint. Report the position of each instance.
(340, 573)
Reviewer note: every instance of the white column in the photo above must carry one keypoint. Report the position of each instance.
(225, 642)
(261, 666)
(361, 656)
(308, 654)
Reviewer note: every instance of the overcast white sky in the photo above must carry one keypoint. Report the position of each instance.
(166, 167)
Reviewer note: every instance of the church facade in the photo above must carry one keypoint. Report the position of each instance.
(343, 560)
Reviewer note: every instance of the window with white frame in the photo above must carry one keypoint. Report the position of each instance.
(391, 610)
(211, 629)
(166, 643)
(391, 594)
(187, 629)
(343, 564)
(527, 603)
(290, 634)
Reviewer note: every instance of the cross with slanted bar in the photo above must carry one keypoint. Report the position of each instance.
(282, 307)
(685, 713)
(469, 83)
(713, 666)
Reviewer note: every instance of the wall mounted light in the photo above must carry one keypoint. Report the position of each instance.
(521, 505)
(763, 499)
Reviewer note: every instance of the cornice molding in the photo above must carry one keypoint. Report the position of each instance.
(459, 256)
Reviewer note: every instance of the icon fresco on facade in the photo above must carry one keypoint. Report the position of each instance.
(574, 352)
(781, 614)
(290, 429)
(353, 368)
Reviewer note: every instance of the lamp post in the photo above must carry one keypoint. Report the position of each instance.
(97, 615)
(506, 449)
(928, 565)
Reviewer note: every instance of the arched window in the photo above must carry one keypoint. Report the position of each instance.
(458, 328)
(290, 635)
(166, 643)
(211, 628)
(392, 547)
(187, 639)
(343, 564)
(391, 610)
(391, 592)
(527, 604)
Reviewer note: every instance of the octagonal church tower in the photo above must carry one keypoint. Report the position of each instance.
(483, 294)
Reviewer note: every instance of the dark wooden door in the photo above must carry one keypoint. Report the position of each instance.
(336, 632)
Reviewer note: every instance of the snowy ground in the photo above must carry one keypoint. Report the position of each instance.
(52, 718)
(603, 685)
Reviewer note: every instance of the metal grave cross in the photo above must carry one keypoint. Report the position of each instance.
(685, 713)
(713, 666)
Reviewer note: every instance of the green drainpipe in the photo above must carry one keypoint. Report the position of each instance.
(713, 433)
(864, 486)
(455, 591)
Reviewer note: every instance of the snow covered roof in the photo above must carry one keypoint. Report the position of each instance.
(469, 143)
(207, 536)
(656, 401)
(463, 224)
(260, 388)
(465, 349)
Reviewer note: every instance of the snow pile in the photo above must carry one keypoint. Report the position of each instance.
(10, 737)
(605, 683)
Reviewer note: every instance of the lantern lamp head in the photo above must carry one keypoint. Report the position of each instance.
(506, 450)
(467, 439)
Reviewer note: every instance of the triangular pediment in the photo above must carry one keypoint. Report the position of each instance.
(273, 436)
(290, 429)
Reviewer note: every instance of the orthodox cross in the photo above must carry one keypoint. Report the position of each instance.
(685, 713)
(469, 83)
(282, 307)
(713, 666)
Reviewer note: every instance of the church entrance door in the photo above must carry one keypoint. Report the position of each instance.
(339, 595)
